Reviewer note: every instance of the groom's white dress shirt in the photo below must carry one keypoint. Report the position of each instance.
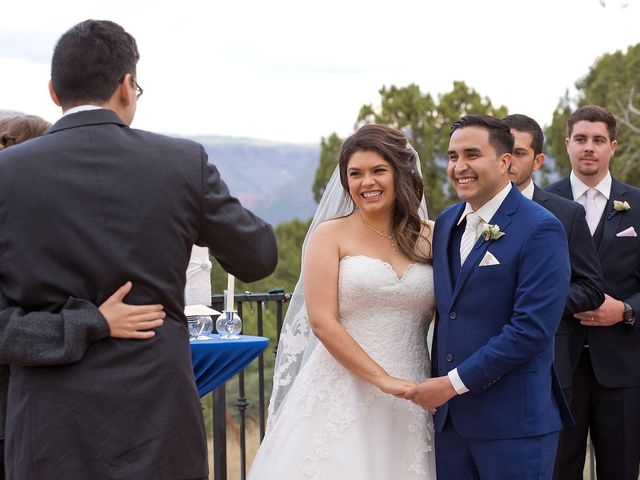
(486, 213)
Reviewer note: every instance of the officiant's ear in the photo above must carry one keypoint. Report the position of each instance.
(53, 95)
(127, 90)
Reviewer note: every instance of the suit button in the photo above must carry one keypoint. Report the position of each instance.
(452, 315)
(449, 357)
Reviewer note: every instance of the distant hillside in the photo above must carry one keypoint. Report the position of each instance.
(271, 179)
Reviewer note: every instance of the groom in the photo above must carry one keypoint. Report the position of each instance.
(502, 272)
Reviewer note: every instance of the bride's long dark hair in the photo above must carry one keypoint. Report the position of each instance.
(392, 145)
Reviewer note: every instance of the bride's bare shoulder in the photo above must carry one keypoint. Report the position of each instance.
(335, 225)
(332, 230)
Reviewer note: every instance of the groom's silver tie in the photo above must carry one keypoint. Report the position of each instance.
(469, 236)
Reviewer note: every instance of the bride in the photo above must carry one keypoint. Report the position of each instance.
(356, 340)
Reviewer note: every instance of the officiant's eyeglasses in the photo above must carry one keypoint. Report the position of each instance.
(139, 90)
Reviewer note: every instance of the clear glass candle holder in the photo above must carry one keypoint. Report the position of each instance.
(200, 327)
(229, 325)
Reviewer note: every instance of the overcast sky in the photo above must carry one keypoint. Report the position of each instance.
(298, 70)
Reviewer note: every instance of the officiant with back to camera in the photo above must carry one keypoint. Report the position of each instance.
(116, 204)
(43, 338)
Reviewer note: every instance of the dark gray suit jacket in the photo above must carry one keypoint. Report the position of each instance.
(614, 350)
(83, 209)
(42, 338)
(586, 288)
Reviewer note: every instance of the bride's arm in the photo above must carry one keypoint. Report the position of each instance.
(321, 264)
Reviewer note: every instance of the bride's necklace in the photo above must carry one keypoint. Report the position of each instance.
(390, 237)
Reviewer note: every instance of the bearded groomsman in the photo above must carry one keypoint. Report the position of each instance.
(585, 290)
(606, 381)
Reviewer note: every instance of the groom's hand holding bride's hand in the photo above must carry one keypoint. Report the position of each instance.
(432, 393)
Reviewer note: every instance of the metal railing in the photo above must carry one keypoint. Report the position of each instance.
(255, 305)
(251, 309)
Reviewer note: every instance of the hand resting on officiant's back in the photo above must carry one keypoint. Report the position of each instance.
(43, 338)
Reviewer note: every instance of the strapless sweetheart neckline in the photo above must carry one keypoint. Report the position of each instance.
(399, 278)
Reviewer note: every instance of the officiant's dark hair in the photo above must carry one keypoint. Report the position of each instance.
(90, 60)
(500, 136)
(525, 124)
(394, 147)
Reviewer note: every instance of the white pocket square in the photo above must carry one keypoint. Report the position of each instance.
(629, 232)
(488, 260)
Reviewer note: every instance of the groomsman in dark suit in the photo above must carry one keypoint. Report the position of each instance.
(585, 290)
(84, 208)
(606, 382)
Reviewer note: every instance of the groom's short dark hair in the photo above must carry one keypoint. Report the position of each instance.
(500, 136)
(90, 60)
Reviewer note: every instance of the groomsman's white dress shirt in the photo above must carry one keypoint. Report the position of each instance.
(579, 190)
(528, 190)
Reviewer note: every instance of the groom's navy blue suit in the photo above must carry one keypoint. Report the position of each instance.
(496, 325)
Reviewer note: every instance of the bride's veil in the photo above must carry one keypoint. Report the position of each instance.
(297, 340)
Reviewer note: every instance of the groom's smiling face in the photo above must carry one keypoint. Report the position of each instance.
(475, 170)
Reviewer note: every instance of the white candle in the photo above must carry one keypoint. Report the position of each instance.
(230, 284)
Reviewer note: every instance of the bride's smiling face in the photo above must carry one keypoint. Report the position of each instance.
(371, 181)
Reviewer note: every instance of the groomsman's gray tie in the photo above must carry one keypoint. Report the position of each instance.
(469, 236)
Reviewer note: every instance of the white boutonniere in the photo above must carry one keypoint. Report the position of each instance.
(491, 232)
(619, 206)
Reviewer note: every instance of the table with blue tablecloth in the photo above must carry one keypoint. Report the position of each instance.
(215, 360)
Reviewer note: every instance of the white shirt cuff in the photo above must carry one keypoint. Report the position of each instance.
(457, 382)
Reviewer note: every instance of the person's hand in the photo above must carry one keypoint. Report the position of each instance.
(130, 321)
(395, 386)
(609, 313)
(432, 393)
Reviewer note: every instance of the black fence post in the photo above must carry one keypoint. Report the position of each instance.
(220, 463)
(219, 405)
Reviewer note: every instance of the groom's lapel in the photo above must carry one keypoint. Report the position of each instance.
(502, 218)
(444, 247)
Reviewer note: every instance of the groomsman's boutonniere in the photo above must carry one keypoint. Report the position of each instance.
(618, 207)
(491, 232)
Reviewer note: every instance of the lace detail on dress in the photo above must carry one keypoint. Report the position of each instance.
(293, 340)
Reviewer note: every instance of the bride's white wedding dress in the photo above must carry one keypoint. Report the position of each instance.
(334, 426)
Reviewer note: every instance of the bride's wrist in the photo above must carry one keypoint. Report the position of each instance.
(380, 379)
